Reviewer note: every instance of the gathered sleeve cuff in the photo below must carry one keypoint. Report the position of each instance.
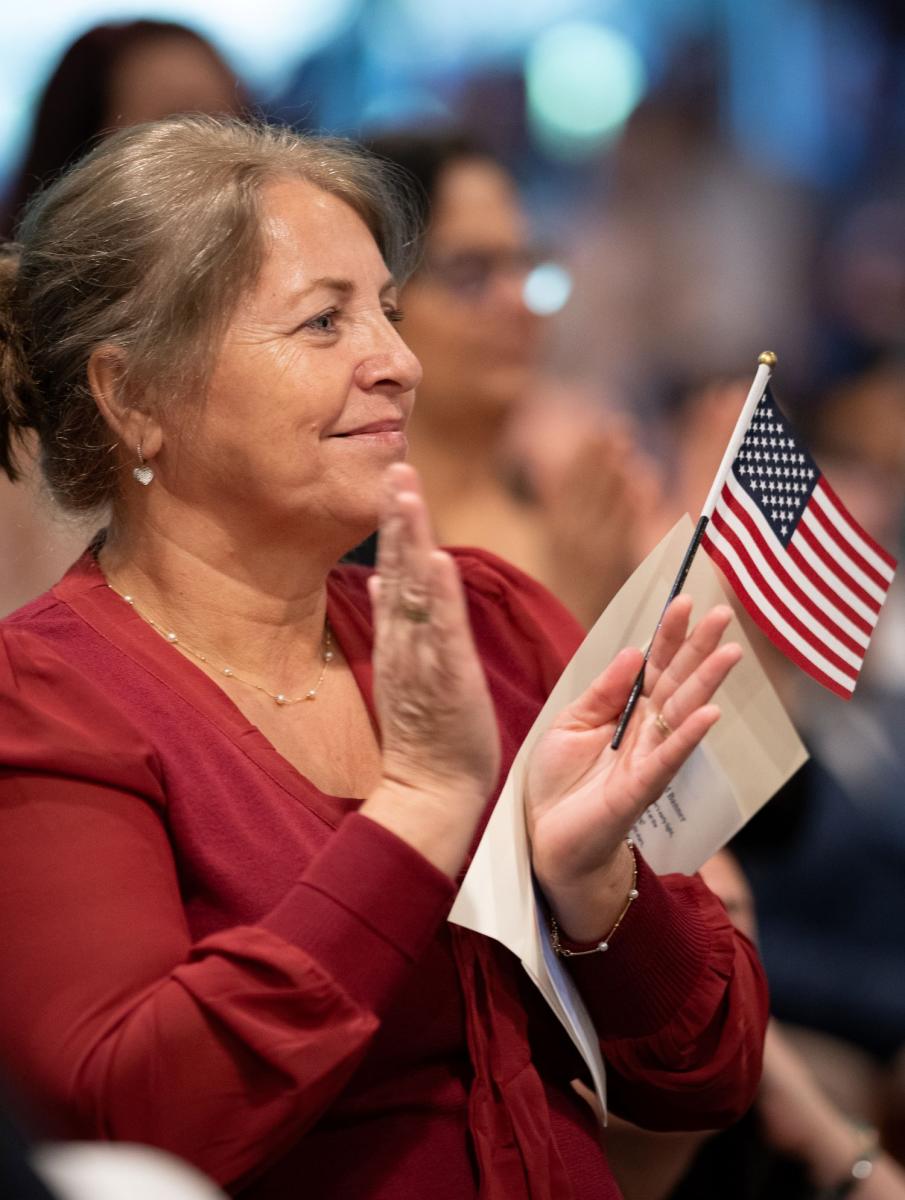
(680, 1005)
(654, 962)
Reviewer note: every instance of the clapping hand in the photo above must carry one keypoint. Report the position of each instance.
(583, 797)
(438, 727)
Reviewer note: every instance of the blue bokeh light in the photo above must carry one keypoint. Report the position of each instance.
(583, 81)
(547, 289)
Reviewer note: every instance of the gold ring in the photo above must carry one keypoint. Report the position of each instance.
(662, 725)
(419, 616)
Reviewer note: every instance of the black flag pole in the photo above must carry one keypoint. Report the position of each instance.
(766, 362)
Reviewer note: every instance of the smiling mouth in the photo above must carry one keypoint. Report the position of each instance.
(374, 428)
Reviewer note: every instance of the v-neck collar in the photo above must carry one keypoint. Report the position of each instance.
(84, 589)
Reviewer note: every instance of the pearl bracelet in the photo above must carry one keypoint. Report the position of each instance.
(602, 946)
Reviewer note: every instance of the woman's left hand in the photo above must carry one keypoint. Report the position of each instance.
(583, 797)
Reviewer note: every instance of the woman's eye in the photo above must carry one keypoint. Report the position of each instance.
(394, 314)
(324, 322)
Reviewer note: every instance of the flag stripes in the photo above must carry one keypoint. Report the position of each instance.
(873, 552)
(800, 624)
(839, 682)
(817, 598)
(811, 538)
(854, 633)
(831, 532)
(830, 585)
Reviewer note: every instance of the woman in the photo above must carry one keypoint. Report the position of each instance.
(513, 462)
(229, 841)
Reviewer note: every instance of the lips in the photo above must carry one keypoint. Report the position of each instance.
(394, 425)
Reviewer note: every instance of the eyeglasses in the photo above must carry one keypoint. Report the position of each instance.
(470, 273)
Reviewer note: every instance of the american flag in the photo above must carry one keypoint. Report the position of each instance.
(808, 574)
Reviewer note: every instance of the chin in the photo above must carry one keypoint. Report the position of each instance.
(357, 526)
(507, 391)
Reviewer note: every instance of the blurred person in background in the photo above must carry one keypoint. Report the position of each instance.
(110, 77)
(113, 76)
(512, 461)
(683, 250)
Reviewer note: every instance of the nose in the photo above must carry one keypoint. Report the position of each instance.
(389, 366)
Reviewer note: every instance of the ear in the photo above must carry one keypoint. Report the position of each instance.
(132, 425)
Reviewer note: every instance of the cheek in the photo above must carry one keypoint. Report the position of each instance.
(437, 339)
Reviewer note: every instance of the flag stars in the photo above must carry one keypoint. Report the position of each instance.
(775, 470)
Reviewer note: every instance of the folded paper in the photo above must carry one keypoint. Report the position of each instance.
(743, 761)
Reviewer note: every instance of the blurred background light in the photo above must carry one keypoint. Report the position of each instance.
(583, 80)
(547, 289)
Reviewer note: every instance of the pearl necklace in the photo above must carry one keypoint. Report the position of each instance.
(280, 698)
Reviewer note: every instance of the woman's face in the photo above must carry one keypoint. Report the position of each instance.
(465, 315)
(165, 74)
(312, 387)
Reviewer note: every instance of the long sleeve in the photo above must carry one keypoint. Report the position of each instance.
(114, 1022)
(680, 1002)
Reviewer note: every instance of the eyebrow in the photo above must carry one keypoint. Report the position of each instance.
(345, 286)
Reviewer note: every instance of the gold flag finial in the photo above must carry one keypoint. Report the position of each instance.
(767, 358)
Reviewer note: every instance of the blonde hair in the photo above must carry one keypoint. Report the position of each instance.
(147, 244)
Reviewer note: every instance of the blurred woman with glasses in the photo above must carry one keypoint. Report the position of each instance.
(560, 501)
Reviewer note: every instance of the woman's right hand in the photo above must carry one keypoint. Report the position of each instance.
(438, 727)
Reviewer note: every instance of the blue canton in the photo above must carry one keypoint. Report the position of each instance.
(775, 469)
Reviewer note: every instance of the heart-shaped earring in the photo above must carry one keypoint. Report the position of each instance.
(143, 473)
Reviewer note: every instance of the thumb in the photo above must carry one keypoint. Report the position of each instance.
(605, 698)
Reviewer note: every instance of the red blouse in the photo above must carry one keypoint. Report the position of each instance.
(205, 952)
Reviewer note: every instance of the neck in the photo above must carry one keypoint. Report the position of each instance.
(257, 604)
